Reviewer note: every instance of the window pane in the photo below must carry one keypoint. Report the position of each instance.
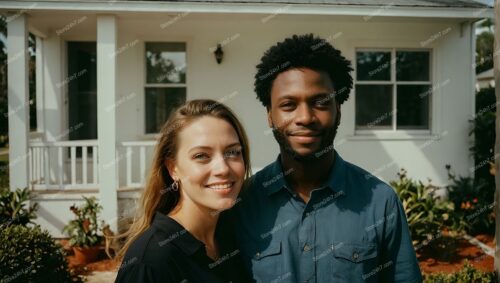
(82, 90)
(412, 66)
(413, 106)
(165, 62)
(160, 102)
(373, 66)
(373, 106)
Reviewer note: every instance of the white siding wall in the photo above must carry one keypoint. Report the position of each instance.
(248, 37)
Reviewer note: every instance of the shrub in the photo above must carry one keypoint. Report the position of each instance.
(473, 201)
(84, 230)
(467, 274)
(426, 215)
(29, 254)
(12, 207)
(483, 128)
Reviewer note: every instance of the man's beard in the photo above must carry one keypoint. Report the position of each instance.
(327, 138)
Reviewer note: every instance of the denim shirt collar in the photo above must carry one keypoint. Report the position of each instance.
(335, 180)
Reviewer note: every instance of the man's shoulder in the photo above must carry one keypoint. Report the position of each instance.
(359, 178)
(263, 178)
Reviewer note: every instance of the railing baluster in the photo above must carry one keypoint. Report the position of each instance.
(73, 165)
(84, 164)
(94, 160)
(35, 163)
(46, 178)
(41, 168)
(61, 166)
(129, 165)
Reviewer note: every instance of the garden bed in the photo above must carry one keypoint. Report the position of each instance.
(450, 253)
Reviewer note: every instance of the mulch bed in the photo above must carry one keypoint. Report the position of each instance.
(448, 255)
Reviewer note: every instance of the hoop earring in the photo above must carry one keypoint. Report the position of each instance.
(175, 186)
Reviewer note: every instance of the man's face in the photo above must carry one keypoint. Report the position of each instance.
(303, 113)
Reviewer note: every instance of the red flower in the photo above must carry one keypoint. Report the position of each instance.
(474, 200)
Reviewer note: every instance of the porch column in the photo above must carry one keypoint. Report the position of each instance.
(18, 100)
(106, 119)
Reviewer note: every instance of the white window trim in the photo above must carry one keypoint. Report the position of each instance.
(142, 135)
(435, 108)
(394, 83)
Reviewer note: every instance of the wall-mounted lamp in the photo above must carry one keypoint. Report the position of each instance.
(219, 54)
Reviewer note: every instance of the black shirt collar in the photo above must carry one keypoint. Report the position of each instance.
(176, 234)
(180, 237)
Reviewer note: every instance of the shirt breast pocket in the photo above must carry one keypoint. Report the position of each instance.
(355, 262)
(267, 264)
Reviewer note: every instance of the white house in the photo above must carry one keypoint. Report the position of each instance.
(109, 72)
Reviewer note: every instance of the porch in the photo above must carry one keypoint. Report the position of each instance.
(73, 165)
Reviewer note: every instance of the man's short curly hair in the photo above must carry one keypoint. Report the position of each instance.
(303, 51)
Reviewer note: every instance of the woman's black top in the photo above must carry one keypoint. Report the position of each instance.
(166, 252)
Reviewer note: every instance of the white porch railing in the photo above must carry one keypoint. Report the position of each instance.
(56, 165)
(74, 164)
(141, 151)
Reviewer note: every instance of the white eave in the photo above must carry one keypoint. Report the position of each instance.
(252, 8)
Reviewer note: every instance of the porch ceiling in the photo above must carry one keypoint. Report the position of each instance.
(372, 3)
(465, 9)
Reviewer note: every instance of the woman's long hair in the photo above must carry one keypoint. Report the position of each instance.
(158, 195)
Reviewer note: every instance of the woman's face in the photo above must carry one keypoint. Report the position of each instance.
(209, 164)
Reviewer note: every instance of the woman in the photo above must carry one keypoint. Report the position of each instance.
(180, 234)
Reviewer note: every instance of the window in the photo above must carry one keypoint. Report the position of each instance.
(393, 89)
(165, 82)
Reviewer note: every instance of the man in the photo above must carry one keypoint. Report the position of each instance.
(311, 216)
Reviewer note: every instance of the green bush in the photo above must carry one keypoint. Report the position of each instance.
(84, 230)
(483, 128)
(473, 201)
(426, 215)
(28, 254)
(13, 208)
(467, 274)
(473, 196)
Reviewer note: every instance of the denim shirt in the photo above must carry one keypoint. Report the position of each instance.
(353, 229)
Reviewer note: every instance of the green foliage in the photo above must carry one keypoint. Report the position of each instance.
(13, 208)
(483, 128)
(473, 196)
(467, 274)
(84, 230)
(29, 254)
(484, 51)
(426, 215)
(473, 201)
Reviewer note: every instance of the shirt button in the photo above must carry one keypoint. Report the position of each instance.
(355, 256)
(257, 255)
(307, 248)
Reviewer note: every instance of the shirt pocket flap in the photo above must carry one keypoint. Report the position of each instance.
(355, 252)
(272, 249)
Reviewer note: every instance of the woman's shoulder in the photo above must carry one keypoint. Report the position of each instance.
(151, 246)
(148, 257)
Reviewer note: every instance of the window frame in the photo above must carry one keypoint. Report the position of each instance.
(394, 83)
(146, 85)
